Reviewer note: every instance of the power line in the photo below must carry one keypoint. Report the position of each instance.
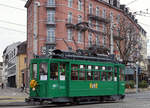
(23, 0)
(131, 2)
(12, 23)
(145, 24)
(12, 29)
(12, 7)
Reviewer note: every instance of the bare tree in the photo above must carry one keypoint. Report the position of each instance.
(126, 40)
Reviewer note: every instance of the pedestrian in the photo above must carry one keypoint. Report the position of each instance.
(22, 87)
(2, 85)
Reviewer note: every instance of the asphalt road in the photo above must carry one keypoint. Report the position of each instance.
(142, 100)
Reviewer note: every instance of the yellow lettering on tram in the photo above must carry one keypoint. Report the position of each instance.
(90, 85)
(93, 85)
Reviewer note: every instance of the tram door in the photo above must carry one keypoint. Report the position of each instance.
(119, 78)
(116, 77)
(63, 77)
(58, 79)
(43, 78)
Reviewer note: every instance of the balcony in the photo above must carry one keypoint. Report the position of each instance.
(51, 23)
(96, 31)
(51, 41)
(70, 25)
(98, 18)
(117, 37)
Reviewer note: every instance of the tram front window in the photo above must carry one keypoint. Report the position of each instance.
(62, 71)
(53, 71)
(43, 71)
(34, 71)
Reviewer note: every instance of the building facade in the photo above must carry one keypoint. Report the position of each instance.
(1, 72)
(143, 55)
(13, 58)
(73, 24)
(21, 64)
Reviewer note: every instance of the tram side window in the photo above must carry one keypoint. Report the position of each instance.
(82, 72)
(115, 78)
(54, 71)
(43, 71)
(96, 73)
(103, 76)
(110, 77)
(121, 75)
(34, 71)
(89, 73)
(74, 72)
(62, 71)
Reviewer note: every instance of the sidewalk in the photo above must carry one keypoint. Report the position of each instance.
(128, 91)
(12, 96)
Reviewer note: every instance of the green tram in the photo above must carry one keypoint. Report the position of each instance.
(72, 78)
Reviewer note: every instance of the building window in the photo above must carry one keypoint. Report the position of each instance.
(111, 17)
(50, 16)
(118, 18)
(69, 35)
(97, 26)
(79, 5)
(70, 17)
(79, 37)
(51, 35)
(51, 2)
(79, 19)
(104, 13)
(97, 11)
(90, 23)
(90, 39)
(111, 2)
(25, 60)
(97, 40)
(90, 9)
(70, 2)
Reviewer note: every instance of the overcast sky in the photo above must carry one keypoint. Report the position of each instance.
(13, 20)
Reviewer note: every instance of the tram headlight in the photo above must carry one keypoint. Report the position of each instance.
(33, 89)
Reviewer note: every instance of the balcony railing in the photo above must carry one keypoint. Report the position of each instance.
(51, 23)
(51, 41)
(98, 18)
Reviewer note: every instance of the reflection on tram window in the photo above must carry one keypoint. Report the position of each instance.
(54, 71)
(43, 71)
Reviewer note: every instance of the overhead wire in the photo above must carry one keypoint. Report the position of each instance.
(12, 29)
(131, 2)
(12, 23)
(4, 5)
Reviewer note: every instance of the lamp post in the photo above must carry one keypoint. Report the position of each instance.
(137, 63)
(112, 26)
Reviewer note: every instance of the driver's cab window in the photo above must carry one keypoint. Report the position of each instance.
(43, 71)
(34, 71)
(62, 71)
(53, 71)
